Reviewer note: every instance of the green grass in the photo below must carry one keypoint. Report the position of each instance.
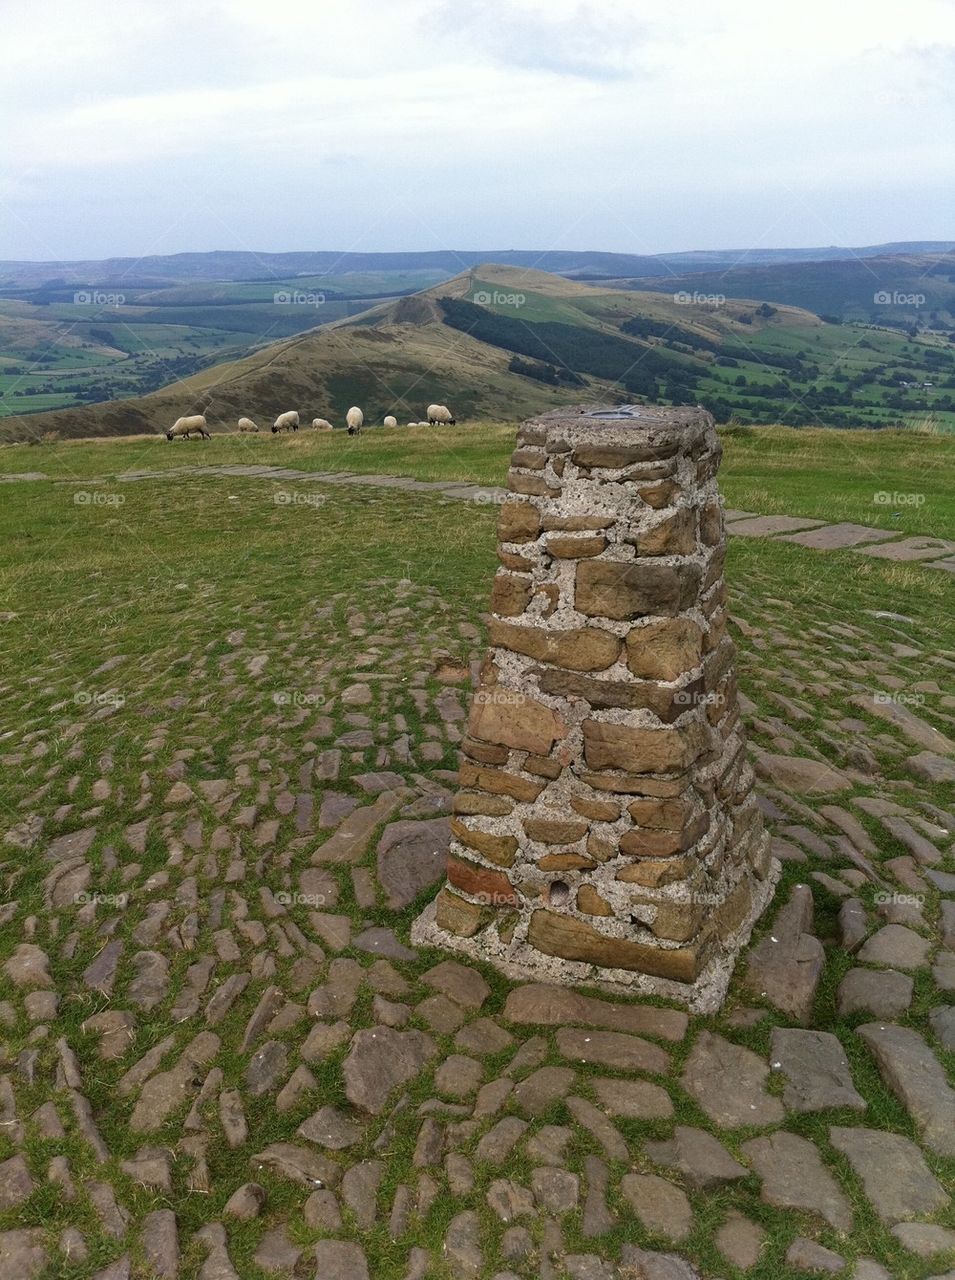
(822, 474)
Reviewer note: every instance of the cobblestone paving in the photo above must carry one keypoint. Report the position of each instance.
(223, 1059)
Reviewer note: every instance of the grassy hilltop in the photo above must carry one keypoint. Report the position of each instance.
(499, 341)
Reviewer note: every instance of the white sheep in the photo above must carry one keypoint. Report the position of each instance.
(286, 422)
(322, 424)
(391, 421)
(440, 413)
(246, 424)
(412, 424)
(182, 427)
(354, 418)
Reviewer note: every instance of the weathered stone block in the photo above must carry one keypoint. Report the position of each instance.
(513, 720)
(674, 536)
(665, 648)
(518, 522)
(628, 589)
(499, 849)
(573, 939)
(577, 649)
(492, 887)
(623, 746)
(456, 915)
(575, 548)
(510, 594)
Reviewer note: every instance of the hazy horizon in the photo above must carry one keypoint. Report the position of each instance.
(258, 250)
(428, 124)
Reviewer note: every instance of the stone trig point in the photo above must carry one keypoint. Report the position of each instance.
(606, 830)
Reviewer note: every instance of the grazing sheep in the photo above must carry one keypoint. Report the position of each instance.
(440, 413)
(182, 427)
(390, 421)
(322, 424)
(412, 424)
(286, 422)
(354, 418)
(246, 424)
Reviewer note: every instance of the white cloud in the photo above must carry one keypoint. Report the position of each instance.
(490, 122)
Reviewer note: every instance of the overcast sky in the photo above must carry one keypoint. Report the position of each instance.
(136, 126)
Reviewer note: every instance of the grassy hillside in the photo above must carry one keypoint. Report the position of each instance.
(62, 346)
(902, 291)
(505, 342)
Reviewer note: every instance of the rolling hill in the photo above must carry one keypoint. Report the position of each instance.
(897, 290)
(504, 342)
(75, 333)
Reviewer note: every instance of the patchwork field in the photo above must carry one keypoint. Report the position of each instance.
(230, 709)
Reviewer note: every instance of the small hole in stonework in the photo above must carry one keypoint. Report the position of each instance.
(559, 894)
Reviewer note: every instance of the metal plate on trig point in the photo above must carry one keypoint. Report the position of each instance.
(622, 413)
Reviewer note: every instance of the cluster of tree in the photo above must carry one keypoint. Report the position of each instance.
(554, 375)
(568, 346)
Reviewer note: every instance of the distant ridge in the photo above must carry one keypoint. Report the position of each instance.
(225, 264)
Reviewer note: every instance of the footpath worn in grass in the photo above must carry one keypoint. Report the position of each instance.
(206, 680)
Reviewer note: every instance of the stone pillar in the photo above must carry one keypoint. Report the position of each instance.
(606, 830)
